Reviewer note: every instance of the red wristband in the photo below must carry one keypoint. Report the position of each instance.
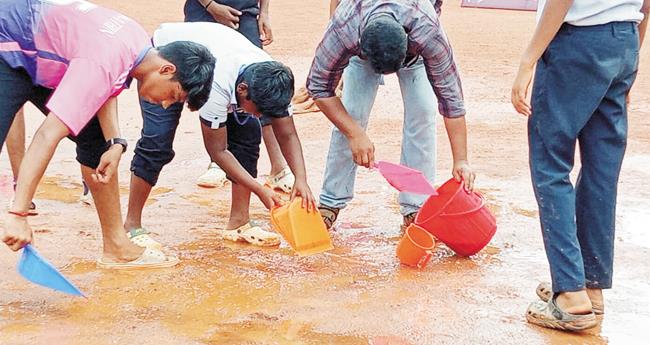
(19, 214)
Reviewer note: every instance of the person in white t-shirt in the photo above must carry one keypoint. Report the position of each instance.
(586, 55)
(246, 81)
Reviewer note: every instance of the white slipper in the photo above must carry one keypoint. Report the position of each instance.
(150, 258)
(283, 180)
(214, 177)
(251, 234)
(141, 237)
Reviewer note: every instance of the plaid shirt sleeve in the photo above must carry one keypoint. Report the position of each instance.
(432, 44)
(332, 56)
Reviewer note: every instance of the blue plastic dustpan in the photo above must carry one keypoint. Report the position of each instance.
(37, 270)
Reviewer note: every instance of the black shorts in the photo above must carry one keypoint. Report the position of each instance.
(244, 139)
(16, 88)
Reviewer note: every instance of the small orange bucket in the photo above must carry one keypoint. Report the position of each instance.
(414, 249)
(304, 231)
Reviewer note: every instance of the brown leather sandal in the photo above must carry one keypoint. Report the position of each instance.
(544, 292)
(329, 215)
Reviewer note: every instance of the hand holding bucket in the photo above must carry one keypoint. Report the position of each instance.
(414, 249)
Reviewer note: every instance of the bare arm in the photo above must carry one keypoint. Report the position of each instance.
(333, 5)
(216, 143)
(110, 160)
(264, 23)
(644, 23)
(37, 157)
(16, 232)
(285, 133)
(108, 121)
(457, 133)
(363, 150)
(552, 18)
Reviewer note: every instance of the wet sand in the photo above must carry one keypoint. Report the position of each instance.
(225, 293)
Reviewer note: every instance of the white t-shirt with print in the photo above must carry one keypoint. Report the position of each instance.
(232, 51)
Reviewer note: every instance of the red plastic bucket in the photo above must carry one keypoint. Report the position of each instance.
(458, 219)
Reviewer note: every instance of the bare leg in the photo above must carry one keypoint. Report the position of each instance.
(239, 214)
(16, 142)
(117, 246)
(138, 194)
(273, 148)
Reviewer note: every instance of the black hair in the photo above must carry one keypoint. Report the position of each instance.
(270, 87)
(194, 69)
(384, 44)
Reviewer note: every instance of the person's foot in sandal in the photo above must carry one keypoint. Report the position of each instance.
(408, 219)
(329, 215)
(254, 235)
(283, 180)
(150, 258)
(544, 292)
(214, 177)
(549, 315)
(141, 237)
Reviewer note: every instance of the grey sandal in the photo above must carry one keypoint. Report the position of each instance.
(329, 215)
(544, 292)
(549, 315)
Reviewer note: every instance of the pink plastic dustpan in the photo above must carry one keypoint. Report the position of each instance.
(405, 179)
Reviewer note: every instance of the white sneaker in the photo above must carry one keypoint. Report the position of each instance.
(86, 197)
(214, 177)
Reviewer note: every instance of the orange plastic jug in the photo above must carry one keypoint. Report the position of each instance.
(414, 249)
(304, 231)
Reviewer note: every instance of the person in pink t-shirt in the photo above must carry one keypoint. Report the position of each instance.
(71, 59)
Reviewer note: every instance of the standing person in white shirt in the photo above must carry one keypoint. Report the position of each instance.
(586, 55)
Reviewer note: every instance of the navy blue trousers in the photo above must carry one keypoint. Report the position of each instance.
(579, 93)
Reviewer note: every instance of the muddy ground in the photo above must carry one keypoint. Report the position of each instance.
(226, 293)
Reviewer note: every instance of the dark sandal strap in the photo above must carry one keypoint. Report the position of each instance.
(329, 215)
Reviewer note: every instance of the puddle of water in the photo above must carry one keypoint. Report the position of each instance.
(59, 189)
(157, 192)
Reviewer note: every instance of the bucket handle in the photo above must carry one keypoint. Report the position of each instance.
(475, 209)
(460, 187)
(423, 260)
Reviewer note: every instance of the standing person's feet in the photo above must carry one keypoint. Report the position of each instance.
(120, 255)
(329, 215)
(544, 292)
(214, 177)
(254, 235)
(142, 238)
(564, 312)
